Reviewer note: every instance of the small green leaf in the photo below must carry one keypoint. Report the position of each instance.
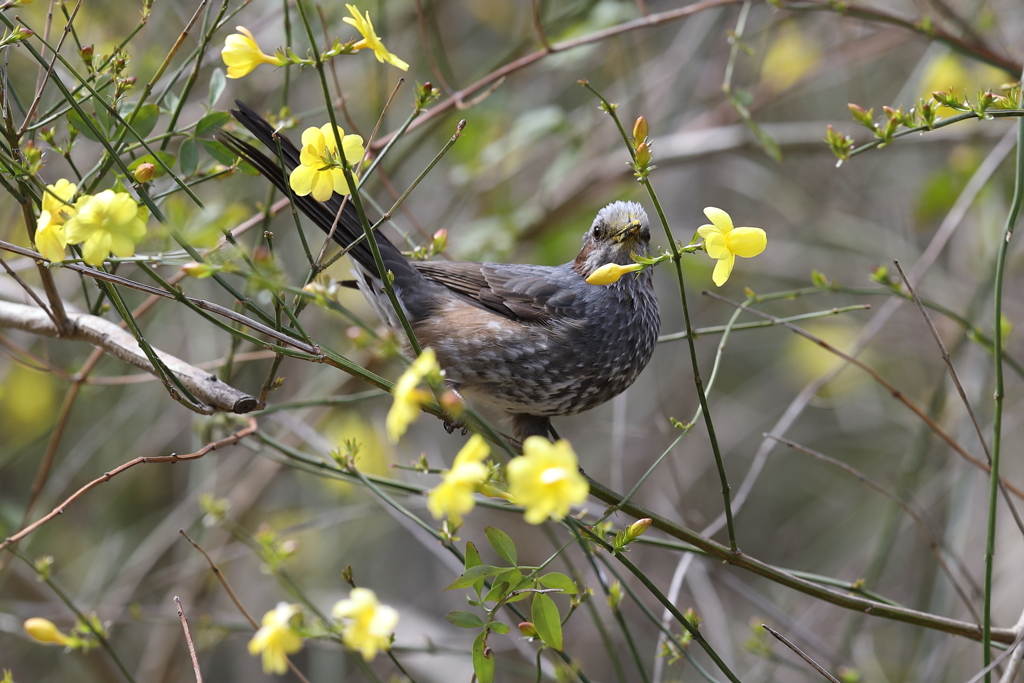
(102, 116)
(75, 120)
(188, 156)
(219, 152)
(498, 590)
(544, 615)
(472, 555)
(558, 580)
(502, 544)
(483, 661)
(499, 627)
(464, 619)
(145, 120)
(474, 574)
(217, 84)
(215, 119)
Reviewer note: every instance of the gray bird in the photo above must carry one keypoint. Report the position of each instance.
(530, 342)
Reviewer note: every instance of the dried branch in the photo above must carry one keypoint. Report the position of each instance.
(230, 440)
(188, 639)
(215, 394)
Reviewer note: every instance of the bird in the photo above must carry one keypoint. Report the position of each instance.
(529, 342)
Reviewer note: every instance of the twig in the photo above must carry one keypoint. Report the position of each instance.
(188, 639)
(918, 520)
(959, 389)
(1017, 655)
(896, 393)
(216, 395)
(817, 667)
(173, 458)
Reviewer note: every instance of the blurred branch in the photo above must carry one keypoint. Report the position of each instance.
(922, 27)
(648, 21)
(188, 640)
(896, 393)
(230, 440)
(216, 395)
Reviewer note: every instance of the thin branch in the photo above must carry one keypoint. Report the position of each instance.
(188, 639)
(959, 389)
(215, 395)
(234, 598)
(817, 667)
(896, 393)
(229, 440)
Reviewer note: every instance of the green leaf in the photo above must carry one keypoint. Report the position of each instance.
(502, 544)
(483, 662)
(211, 121)
(499, 627)
(188, 156)
(472, 555)
(75, 120)
(498, 589)
(217, 84)
(166, 157)
(102, 116)
(544, 615)
(219, 152)
(464, 619)
(146, 119)
(474, 574)
(558, 580)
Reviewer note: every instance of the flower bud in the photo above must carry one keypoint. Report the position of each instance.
(144, 172)
(528, 629)
(611, 272)
(44, 631)
(198, 270)
(640, 130)
(637, 529)
(615, 594)
(86, 54)
(643, 155)
(440, 242)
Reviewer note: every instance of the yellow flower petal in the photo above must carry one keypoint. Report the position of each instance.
(406, 407)
(276, 639)
(747, 242)
(301, 180)
(50, 238)
(546, 480)
(241, 54)
(56, 198)
(719, 218)
(723, 269)
(453, 497)
(44, 631)
(716, 244)
(369, 624)
(370, 38)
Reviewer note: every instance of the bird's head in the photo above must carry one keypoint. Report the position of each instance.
(619, 230)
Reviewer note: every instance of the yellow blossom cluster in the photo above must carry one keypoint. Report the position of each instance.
(105, 223)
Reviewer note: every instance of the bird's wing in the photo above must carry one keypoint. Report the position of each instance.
(520, 292)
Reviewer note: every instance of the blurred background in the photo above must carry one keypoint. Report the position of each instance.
(536, 161)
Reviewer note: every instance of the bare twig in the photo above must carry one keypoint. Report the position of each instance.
(1017, 653)
(896, 393)
(215, 394)
(921, 524)
(188, 639)
(817, 667)
(234, 598)
(230, 440)
(959, 388)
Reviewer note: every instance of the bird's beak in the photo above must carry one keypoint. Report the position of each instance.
(629, 231)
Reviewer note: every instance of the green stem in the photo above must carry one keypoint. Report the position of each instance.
(677, 261)
(997, 417)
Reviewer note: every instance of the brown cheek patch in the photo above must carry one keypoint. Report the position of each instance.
(580, 264)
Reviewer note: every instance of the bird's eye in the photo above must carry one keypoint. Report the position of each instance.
(598, 232)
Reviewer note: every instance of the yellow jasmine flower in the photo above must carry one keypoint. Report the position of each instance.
(57, 200)
(44, 631)
(107, 222)
(241, 54)
(725, 243)
(611, 272)
(370, 39)
(408, 398)
(546, 479)
(50, 237)
(371, 623)
(319, 170)
(453, 497)
(276, 638)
